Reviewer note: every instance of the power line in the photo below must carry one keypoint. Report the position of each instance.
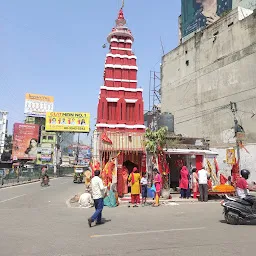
(198, 104)
(217, 109)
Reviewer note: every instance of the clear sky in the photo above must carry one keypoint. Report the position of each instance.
(54, 47)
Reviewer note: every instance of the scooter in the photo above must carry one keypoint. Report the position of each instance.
(238, 210)
(45, 181)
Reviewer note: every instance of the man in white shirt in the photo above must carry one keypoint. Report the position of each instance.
(203, 184)
(98, 194)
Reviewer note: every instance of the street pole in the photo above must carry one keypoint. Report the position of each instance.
(233, 107)
(77, 148)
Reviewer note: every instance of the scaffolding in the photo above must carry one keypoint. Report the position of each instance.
(154, 108)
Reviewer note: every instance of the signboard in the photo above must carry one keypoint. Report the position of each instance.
(67, 122)
(197, 14)
(25, 141)
(231, 156)
(37, 105)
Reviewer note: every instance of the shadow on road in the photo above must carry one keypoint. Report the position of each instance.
(103, 222)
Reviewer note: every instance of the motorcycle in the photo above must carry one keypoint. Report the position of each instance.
(45, 181)
(238, 210)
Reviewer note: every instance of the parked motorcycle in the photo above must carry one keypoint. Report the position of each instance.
(238, 210)
(45, 181)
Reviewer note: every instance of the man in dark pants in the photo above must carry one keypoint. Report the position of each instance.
(203, 184)
(98, 194)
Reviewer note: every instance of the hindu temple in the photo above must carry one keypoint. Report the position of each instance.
(118, 138)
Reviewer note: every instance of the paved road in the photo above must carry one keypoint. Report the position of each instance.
(37, 221)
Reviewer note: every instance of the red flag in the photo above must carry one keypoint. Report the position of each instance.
(241, 145)
(223, 179)
(216, 165)
(105, 138)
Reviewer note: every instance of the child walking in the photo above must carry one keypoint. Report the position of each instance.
(144, 190)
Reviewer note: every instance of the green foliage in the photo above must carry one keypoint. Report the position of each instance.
(155, 139)
(8, 143)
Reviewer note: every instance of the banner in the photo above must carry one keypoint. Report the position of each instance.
(67, 122)
(25, 141)
(231, 156)
(197, 14)
(37, 105)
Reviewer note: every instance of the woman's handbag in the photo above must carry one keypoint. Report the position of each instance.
(153, 188)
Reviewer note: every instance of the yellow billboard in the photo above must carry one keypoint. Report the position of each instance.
(67, 122)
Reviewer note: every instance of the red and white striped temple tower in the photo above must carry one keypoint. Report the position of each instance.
(120, 122)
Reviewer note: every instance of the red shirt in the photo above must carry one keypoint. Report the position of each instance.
(242, 183)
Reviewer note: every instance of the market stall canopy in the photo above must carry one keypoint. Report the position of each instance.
(207, 153)
(121, 141)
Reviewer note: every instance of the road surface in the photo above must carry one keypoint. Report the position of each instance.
(37, 221)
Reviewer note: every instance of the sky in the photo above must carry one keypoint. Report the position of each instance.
(55, 48)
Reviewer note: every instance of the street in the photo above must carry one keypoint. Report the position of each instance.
(37, 221)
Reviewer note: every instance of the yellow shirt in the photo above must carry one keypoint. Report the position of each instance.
(135, 188)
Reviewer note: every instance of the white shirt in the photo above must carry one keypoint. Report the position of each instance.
(242, 193)
(202, 176)
(85, 200)
(98, 189)
(144, 181)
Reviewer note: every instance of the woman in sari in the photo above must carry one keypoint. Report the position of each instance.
(134, 178)
(158, 186)
(184, 179)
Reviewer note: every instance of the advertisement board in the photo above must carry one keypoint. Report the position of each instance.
(37, 105)
(197, 14)
(25, 141)
(67, 122)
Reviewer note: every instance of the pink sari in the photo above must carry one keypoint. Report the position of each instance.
(158, 183)
(184, 178)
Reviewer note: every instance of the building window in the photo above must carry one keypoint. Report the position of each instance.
(121, 111)
(187, 62)
(112, 111)
(44, 137)
(130, 112)
(50, 137)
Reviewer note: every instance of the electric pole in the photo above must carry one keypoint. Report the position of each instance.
(77, 149)
(233, 107)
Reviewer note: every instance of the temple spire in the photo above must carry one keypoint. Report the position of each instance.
(122, 4)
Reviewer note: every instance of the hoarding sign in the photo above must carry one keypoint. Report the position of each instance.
(37, 105)
(67, 122)
(25, 141)
(197, 14)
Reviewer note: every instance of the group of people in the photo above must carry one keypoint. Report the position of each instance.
(197, 181)
(139, 186)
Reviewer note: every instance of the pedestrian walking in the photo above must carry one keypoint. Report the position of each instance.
(98, 194)
(203, 184)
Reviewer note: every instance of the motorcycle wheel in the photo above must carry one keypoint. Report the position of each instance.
(231, 219)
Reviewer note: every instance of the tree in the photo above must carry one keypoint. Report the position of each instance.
(8, 143)
(7, 154)
(155, 142)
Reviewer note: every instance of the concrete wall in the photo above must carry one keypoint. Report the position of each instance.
(202, 76)
(248, 161)
(249, 4)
